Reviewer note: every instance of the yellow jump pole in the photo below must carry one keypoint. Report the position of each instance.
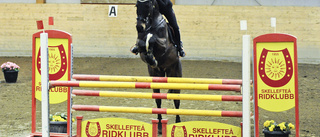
(156, 79)
(157, 95)
(213, 113)
(176, 86)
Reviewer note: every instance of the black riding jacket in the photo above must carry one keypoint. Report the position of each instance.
(164, 6)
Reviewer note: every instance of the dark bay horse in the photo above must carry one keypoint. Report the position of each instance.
(156, 48)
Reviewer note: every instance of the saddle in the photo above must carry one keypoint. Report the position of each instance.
(171, 34)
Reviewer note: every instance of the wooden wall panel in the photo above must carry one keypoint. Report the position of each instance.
(112, 1)
(208, 32)
(108, 1)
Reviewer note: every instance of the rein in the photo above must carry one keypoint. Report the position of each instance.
(149, 28)
(152, 16)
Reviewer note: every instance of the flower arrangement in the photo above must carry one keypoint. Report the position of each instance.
(60, 117)
(270, 125)
(9, 66)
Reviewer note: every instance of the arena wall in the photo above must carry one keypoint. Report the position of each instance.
(208, 32)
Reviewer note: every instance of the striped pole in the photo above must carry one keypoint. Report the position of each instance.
(156, 79)
(157, 95)
(174, 86)
(157, 111)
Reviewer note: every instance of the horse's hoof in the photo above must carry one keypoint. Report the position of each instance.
(134, 50)
(155, 64)
(160, 128)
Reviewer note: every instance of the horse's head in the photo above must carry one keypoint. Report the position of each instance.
(153, 41)
(145, 11)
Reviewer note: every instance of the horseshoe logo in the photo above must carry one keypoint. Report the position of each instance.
(179, 131)
(276, 70)
(93, 129)
(57, 65)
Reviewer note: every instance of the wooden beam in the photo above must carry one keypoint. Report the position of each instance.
(41, 1)
(173, 2)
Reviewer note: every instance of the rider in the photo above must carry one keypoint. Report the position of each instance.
(165, 8)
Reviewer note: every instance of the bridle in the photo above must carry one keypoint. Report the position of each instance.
(147, 23)
(148, 19)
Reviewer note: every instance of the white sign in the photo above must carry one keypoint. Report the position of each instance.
(273, 22)
(113, 10)
(243, 24)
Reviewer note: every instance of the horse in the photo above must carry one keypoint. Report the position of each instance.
(156, 48)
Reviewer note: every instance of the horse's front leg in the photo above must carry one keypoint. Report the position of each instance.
(150, 42)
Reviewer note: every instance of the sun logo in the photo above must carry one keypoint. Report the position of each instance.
(275, 69)
(54, 63)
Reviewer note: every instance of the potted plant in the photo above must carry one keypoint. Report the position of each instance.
(272, 129)
(58, 122)
(10, 71)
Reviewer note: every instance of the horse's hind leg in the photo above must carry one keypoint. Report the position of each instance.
(176, 104)
(158, 73)
(158, 102)
(175, 71)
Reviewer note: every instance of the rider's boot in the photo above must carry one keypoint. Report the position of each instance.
(180, 50)
(134, 50)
